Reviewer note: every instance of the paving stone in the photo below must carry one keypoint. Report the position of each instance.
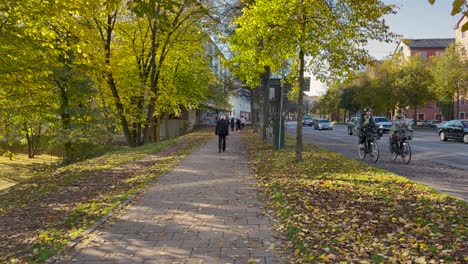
(206, 252)
(169, 243)
(205, 210)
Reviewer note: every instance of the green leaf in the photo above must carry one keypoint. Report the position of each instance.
(464, 27)
(456, 6)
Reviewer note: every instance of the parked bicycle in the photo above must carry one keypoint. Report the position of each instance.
(371, 147)
(401, 148)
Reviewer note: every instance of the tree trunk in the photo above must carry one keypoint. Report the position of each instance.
(415, 115)
(29, 140)
(131, 141)
(300, 106)
(33, 141)
(107, 39)
(254, 105)
(458, 104)
(266, 102)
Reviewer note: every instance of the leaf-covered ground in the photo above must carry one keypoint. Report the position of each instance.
(337, 210)
(41, 215)
(19, 169)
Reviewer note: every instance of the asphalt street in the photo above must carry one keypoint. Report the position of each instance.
(440, 165)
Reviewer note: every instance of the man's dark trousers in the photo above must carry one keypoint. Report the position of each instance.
(222, 143)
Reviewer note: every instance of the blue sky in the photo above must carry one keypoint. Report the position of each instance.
(417, 19)
(414, 19)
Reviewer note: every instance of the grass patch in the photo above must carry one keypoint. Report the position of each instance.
(21, 168)
(46, 212)
(334, 209)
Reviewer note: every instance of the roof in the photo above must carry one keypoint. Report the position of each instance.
(428, 43)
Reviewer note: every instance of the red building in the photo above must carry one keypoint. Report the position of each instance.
(428, 48)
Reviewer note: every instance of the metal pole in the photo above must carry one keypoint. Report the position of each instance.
(281, 114)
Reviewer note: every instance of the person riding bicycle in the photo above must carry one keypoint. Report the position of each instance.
(366, 125)
(399, 127)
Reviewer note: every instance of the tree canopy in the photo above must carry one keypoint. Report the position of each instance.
(327, 38)
(79, 70)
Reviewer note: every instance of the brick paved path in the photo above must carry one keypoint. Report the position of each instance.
(205, 210)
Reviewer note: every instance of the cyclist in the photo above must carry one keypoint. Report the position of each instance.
(366, 126)
(399, 127)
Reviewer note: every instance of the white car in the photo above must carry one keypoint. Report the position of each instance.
(383, 124)
(322, 124)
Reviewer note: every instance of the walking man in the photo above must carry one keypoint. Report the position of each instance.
(222, 130)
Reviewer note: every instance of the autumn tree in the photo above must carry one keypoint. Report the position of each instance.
(450, 75)
(348, 101)
(296, 30)
(43, 80)
(383, 82)
(330, 102)
(413, 82)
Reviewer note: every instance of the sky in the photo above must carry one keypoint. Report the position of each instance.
(414, 19)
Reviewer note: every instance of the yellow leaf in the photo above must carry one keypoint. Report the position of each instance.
(420, 260)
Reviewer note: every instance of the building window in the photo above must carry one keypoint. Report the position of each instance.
(420, 116)
(423, 54)
(438, 117)
(461, 115)
(439, 53)
(462, 100)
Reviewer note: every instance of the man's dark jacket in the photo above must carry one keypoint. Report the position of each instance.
(369, 126)
(222, 128)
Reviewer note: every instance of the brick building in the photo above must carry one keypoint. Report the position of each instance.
(427, 48)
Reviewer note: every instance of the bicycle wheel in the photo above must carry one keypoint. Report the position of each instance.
(393, 151)
(362, 151)
(406, 152)
(374, 151)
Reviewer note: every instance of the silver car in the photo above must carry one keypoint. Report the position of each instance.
(323, 124)
(307, 121)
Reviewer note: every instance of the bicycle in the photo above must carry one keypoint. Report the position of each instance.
(401, 148)
(370, 147)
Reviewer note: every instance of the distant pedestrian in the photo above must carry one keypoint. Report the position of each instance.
(238, 124)
(233, 123)
(243, 121)
(222, 130)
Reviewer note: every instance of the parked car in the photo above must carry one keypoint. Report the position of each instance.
(353, 125)
(307, 121)
(383, 124)
(454, 129)
(430, 123)
(441, 124)
(323, 124)
(427, 123)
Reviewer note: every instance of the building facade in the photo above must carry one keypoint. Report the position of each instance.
(427, 48)
(461, 38)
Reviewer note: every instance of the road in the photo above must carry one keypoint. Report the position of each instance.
(440, 165)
